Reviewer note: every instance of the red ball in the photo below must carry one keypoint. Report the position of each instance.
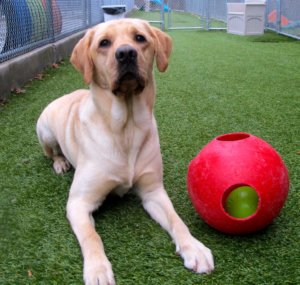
(229, 162)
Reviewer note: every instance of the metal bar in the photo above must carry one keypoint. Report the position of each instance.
(207, 15)
(50, 17)
(89, 13)
(217, 29)
(169, 3)
(162, 15)
(278, 20)
(84, 18)
(290, 35)
(154, 22)
(283, 33)
(187, 28)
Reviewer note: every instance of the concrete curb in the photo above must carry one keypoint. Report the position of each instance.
(16, 72)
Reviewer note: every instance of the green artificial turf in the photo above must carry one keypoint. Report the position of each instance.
(216, 83)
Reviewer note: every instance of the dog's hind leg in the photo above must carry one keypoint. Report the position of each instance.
(60, 164)
(51, 148)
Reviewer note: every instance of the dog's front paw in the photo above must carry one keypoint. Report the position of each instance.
(98, 273)
(196, 256)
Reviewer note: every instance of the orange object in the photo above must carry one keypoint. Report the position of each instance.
(272, 18)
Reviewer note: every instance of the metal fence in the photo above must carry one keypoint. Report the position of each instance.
(150, 10)
(28, 24)
(194, 14)
(283, 16)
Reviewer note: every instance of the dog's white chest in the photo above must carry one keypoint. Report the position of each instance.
(121, 146)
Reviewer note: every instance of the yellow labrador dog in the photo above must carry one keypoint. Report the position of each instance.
(109, 135)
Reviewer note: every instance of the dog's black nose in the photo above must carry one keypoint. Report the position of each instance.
(126, 54)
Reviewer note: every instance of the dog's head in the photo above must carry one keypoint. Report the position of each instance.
(119, 55)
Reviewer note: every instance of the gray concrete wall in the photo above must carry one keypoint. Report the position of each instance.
(16, 72)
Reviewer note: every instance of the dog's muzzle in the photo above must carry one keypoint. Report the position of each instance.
(129, 81)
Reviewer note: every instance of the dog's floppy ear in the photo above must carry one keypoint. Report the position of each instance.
(163, 49)
(81, 58)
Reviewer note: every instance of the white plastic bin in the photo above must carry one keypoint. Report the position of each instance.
(113, 12)
(246, 18)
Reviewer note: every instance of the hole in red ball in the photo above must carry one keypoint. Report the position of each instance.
(240, 201)
(233, 137)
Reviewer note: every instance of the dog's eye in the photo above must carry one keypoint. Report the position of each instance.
(140, 38)
(105, 43)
